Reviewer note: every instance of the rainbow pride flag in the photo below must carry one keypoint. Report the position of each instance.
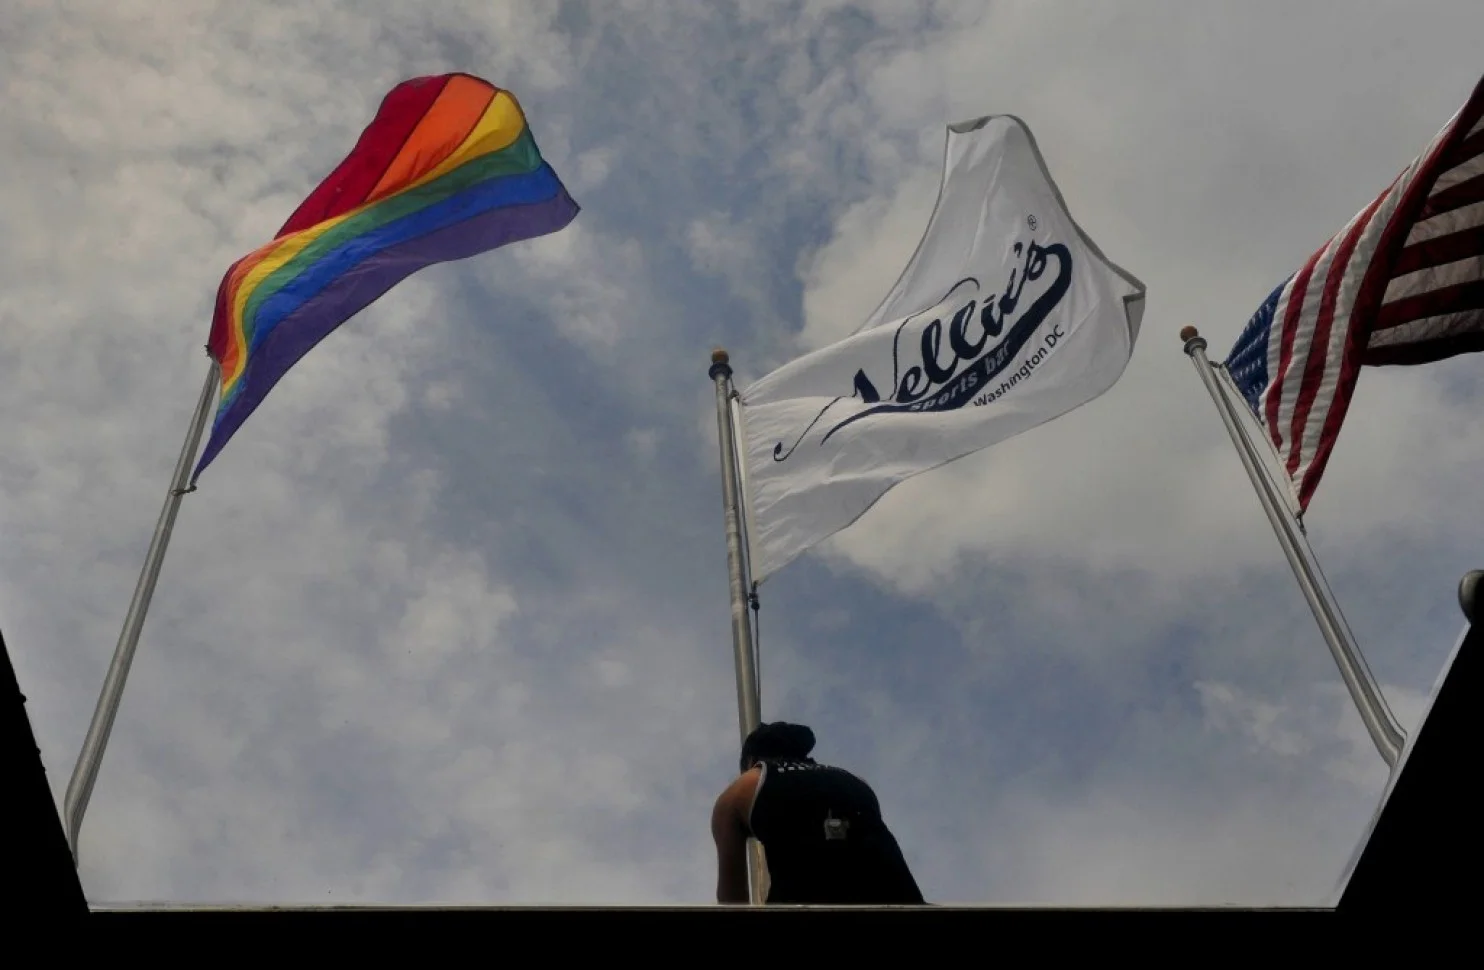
(446, 170)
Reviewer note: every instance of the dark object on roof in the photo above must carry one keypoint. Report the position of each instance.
(38, 865)
(1423, 847)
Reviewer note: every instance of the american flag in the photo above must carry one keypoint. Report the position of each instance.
(1401, 283)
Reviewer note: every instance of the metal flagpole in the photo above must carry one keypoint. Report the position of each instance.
(1375, 700)
(85, 773)
(1288, 496)
(748, 704)
(1385, 732)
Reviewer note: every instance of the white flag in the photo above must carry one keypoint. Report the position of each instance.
(1006, 317)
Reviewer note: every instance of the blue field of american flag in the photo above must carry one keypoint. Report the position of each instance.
(1401, 283)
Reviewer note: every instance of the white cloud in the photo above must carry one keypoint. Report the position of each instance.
(729, 252)
(593, 169)
(853, 272)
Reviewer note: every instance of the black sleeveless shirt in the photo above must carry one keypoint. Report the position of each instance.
(825, 842)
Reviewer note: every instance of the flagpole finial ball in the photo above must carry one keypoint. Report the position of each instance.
(1471, 595)
(1188, 334)
(720, 366)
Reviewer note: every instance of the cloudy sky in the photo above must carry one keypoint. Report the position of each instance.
(447, 621)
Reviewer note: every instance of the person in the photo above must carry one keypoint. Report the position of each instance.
(820, 827)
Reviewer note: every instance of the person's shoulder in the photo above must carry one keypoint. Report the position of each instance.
(741, 789)
(729, 814)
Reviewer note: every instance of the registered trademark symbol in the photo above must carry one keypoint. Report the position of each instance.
(1031, 221)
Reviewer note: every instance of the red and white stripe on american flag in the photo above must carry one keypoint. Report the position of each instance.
(1401, 283)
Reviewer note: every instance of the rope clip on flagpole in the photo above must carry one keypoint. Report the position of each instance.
(85, 773)
(1382, 726)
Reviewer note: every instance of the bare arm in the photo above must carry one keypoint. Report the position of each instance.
(731, 847)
